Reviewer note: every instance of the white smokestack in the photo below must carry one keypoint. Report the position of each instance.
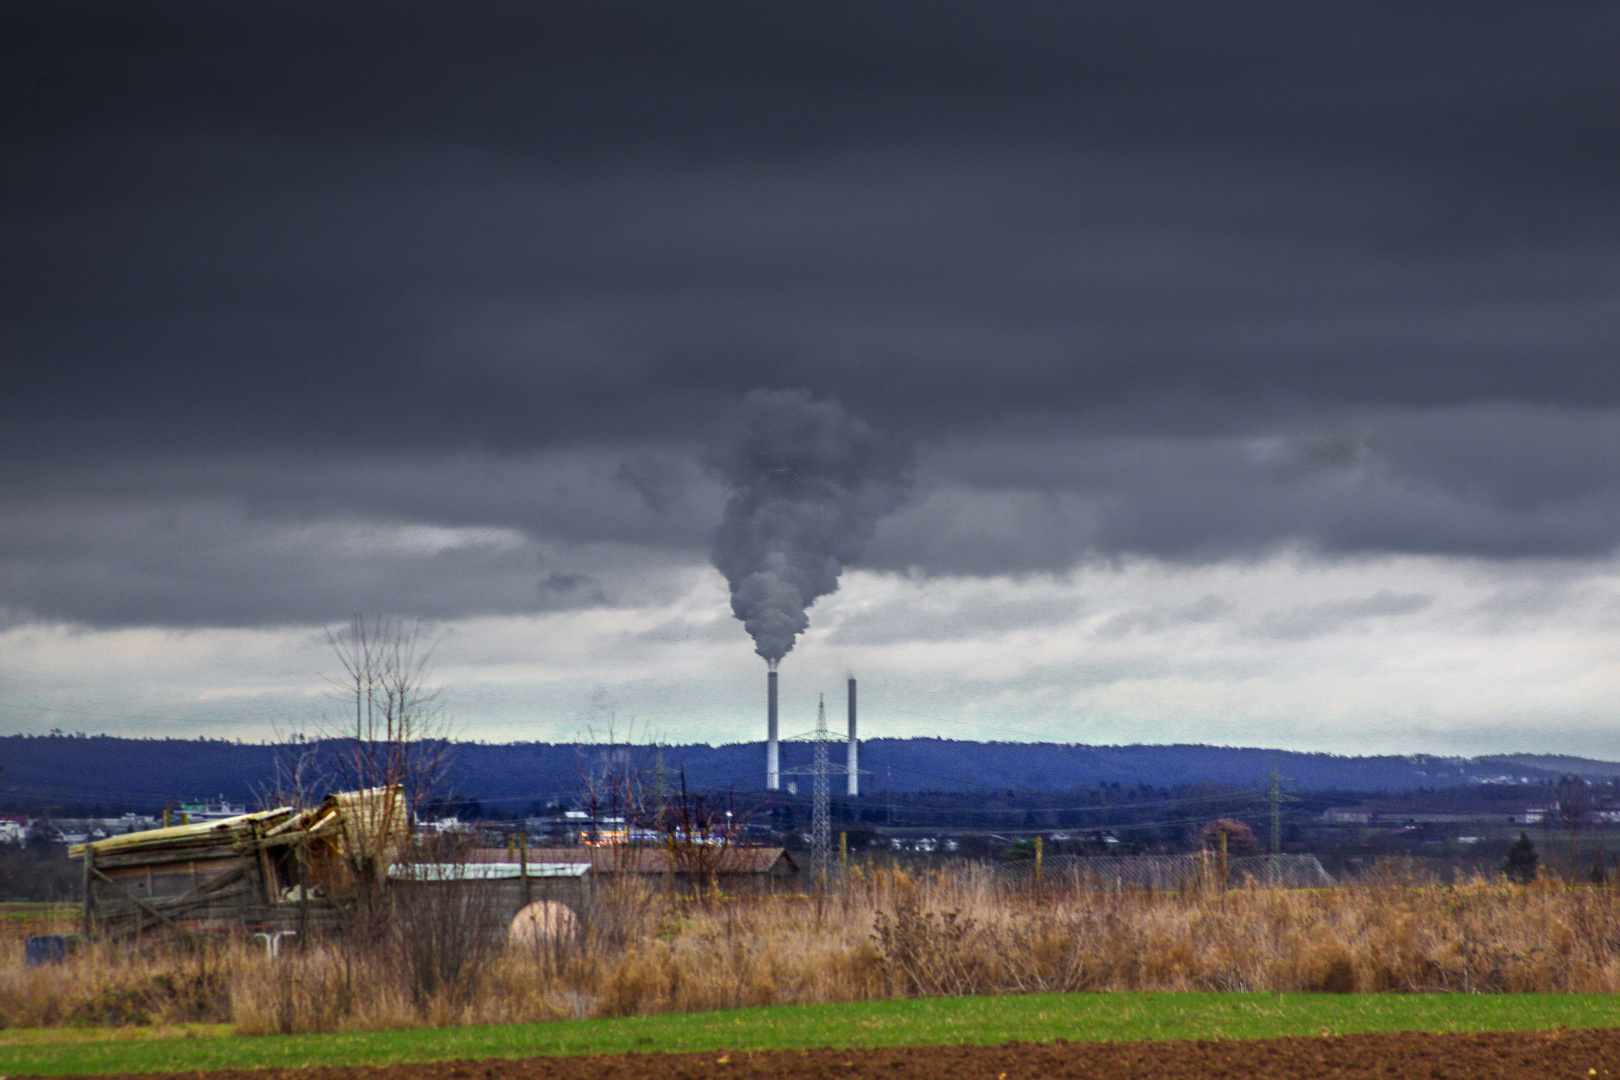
(854, 746)
(773, 763)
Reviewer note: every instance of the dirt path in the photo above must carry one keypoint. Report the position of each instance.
(1495, 1056)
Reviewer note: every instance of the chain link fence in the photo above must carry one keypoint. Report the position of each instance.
(1163, 873)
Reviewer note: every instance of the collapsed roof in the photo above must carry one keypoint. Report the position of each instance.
(246, 871)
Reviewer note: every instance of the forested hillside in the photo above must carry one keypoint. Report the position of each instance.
(111, 775)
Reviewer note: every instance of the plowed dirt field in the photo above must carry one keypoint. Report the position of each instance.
(1498, 1056)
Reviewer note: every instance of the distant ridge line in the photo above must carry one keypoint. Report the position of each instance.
(126, 773)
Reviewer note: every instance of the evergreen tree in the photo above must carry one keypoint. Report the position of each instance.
(1021, 849)
(1520, 865)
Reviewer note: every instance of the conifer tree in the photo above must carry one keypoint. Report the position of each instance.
(1520, 865)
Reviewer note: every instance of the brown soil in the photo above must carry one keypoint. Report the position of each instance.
(1541, 1055)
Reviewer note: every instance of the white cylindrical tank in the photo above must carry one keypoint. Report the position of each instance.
(542, 923)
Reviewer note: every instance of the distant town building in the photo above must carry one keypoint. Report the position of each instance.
(197, 813)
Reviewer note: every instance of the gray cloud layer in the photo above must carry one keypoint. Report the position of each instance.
(1149, 278)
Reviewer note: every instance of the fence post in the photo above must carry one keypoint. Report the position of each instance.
(523, 866)
(1040, 868)
(89, 889)
(267, 872)
(303, 892)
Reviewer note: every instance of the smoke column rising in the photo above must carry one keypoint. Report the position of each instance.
(809, 483)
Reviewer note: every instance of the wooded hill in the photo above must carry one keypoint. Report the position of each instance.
(106, 775)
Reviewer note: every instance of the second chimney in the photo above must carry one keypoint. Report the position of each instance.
(773, 764)
(854, 746)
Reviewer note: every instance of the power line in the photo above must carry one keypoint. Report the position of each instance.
(1239, 794)
(962, 723)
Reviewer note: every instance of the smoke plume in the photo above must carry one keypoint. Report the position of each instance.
(808, 485)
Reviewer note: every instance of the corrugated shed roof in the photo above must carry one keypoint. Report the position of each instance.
(374, 817)
(485, 871)
(221, 831)
(654, 860)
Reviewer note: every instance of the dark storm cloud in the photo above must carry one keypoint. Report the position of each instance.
(290, 539)
(208, 564)
(574, 495)
(1169, 278)
(1496, 481)
(205, 565)
(231, 223)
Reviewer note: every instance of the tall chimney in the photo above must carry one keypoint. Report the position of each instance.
(773, 764)
(854, 746)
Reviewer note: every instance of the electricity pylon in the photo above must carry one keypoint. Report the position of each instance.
(820, 817)
(820, 806)
(1277, 798)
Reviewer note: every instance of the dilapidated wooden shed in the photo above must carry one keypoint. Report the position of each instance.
(282, 869)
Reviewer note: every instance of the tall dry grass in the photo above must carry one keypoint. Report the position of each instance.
(887, 933)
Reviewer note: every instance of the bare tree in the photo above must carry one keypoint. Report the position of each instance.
(389, 737)
(446, 925)
(1573, 805)
(620, 783)
(698, 833)
(296, 772)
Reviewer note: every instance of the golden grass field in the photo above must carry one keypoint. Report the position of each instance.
(888, 933)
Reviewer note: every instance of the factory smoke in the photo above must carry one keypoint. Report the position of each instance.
(808, 484)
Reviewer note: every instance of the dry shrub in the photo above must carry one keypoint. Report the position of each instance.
(442, 938)
(928, 953)
(326, 988)
(620, 912)
(427, 964)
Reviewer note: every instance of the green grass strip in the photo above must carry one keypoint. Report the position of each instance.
(1034, 1018)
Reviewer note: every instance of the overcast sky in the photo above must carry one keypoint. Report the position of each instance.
(1256, 362)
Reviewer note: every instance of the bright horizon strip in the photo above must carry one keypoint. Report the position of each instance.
(1395, 654)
